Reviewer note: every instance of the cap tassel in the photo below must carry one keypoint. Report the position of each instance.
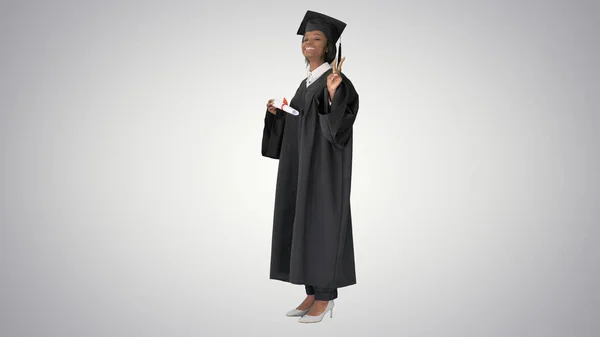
(340, 51)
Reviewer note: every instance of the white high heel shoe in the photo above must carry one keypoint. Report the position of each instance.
(315, 319)
(296, 312)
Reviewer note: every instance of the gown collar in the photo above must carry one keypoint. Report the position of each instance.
(315, 74)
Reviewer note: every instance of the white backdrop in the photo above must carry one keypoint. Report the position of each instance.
(134, 200)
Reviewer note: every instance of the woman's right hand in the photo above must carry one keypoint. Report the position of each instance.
(270, 107)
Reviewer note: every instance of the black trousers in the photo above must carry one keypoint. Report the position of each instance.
(322, 294)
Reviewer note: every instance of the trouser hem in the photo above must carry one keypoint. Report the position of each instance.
(321, 294)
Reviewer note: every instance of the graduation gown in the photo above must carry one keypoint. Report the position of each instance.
(312, 226)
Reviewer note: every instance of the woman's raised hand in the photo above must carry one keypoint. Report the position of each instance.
(335, 78)
(270, 107)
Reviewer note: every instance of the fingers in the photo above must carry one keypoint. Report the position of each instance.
(339, 67)
(270, 107)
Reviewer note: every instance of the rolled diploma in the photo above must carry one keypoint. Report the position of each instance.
(285, 107)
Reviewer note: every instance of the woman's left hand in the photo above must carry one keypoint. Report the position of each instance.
(335, 78)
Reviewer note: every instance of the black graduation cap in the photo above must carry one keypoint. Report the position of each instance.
(331, 27)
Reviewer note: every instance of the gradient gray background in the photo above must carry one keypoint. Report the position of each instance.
(134, 200)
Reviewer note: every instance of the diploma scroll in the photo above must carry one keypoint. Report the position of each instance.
(285, 107)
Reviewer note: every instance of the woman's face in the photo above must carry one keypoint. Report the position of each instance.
(314, 45)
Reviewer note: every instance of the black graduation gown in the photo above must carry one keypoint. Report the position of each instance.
(312, 226)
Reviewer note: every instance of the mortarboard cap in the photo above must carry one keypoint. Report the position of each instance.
(331, 27)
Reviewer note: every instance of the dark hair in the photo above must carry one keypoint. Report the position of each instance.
(330, 55)
(331, 51)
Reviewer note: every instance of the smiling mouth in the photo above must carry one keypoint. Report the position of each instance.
(309, 48)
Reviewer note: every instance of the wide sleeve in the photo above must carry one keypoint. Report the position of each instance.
(273, 134)
(336, 119)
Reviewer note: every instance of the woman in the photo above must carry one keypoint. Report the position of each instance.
(312, 240)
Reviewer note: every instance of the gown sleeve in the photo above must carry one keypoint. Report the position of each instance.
(336, 119)
(273, 134)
